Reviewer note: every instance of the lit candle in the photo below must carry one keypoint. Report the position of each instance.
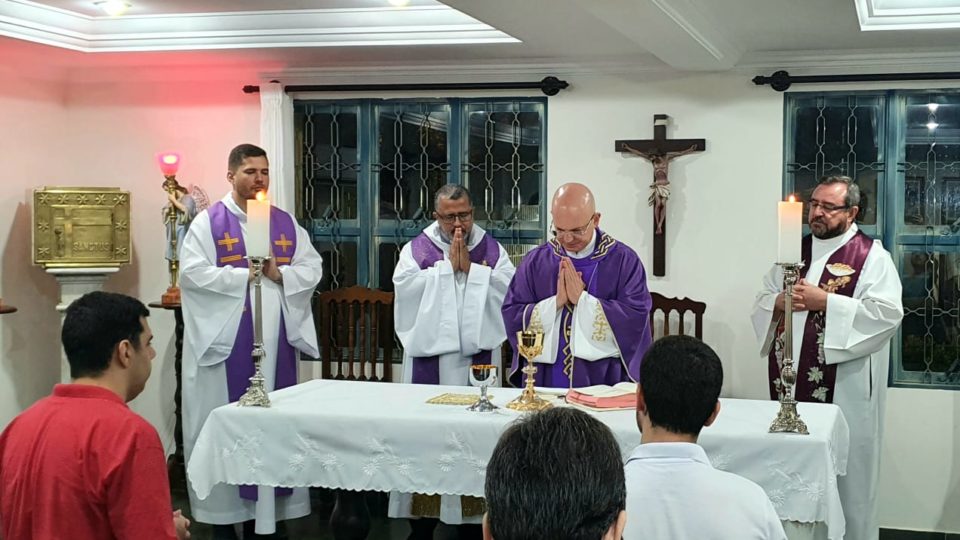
(790, 229)
(258, 226)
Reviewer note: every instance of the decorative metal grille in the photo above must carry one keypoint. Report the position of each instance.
(909, 164)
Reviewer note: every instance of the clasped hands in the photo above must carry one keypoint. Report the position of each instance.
(459, 254)
(806, 297)
(569, 284)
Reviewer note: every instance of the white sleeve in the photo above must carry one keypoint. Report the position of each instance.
(481, 322)
(863, 324)
(213, 297)
(300, 279)
(591, 336)
(549, 317)
(425, 307)
(764, 325)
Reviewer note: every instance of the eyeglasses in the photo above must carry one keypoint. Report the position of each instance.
(464, 217)
(826, 207)
(579, 232)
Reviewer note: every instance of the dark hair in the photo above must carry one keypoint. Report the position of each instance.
(557, 475)
(853, 190)
(242, 152)
(681, 378)
(93, 326)
(452, 192)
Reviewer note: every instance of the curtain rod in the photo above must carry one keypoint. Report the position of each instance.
(781, 80)
(550, 86)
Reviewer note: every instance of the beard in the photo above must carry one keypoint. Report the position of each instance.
(827, 232)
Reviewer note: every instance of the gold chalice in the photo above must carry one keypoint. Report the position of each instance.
(530, 346)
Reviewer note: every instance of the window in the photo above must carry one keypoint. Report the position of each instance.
(903, 148)
(367, 171)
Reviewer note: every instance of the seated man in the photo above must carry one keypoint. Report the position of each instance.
(555, 475)
(79, 463)
(672, 489)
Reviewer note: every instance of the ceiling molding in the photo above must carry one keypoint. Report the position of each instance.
(907, 15)
(419, 25)
(827, 61)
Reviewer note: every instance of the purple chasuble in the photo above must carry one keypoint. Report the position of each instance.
(815, 378)
(228, 239)
(426, 370)
(615, 276)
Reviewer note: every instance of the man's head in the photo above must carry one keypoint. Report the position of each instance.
(679, 390)
(248, 171)
(556, 474)
(453, 209)
(106, 337)
(833, 206)
(575, 216)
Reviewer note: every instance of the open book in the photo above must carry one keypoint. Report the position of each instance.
(619, 396)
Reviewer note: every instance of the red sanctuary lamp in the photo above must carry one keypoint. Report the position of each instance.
(169, 163)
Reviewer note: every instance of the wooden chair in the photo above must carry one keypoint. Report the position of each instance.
(682, 307)
(355, 332)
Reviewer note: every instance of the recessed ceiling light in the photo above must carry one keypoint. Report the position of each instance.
(113, 8)
(932, 125)
(399, 3)
(933, 106)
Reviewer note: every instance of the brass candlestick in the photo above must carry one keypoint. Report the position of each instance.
(256, 394)
(530, 346)
(788, 419)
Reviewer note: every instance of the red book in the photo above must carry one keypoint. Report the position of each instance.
(619, 396)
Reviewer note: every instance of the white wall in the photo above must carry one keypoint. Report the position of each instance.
(103, 128)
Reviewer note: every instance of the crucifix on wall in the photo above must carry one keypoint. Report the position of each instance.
(660, 151)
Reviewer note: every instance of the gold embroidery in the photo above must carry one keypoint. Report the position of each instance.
(832, 285)
(600, 324)
(455, 399)
(566, 321)
(230, 258)
(536, 325)
(425, 505)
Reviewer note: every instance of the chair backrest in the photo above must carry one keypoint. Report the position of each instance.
(355, 332)
(682, 307)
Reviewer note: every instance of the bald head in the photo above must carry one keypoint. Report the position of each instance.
(574, 211)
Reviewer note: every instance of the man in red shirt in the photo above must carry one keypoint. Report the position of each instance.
(80, 463)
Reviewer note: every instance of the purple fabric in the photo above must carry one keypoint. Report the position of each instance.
(853, 253)
(426, 370)
(230, 248)
(616, 277)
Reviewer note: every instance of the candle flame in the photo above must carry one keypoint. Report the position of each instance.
(792, 198)
(261, 196)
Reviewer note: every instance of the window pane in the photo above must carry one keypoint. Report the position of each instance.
(329, 163)
(339, 264)
(412, 160)
(388, 253)
(837, 135)
(931, 186)
(504, 163)
(931, 323)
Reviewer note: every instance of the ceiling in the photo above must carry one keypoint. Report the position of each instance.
(685, 35)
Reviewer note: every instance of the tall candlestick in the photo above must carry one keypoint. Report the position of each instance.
(258, 226)
(790, 230)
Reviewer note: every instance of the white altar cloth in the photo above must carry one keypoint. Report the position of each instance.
(385, 437)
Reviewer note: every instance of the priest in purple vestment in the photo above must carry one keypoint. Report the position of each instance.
(218, 330)
(588, 293)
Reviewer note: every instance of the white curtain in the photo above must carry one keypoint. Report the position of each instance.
(276, 137)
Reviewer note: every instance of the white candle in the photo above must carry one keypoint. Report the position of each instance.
(258, 226)
(790, 230)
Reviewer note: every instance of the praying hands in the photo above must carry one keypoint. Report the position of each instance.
(569, 284)
(459, 254)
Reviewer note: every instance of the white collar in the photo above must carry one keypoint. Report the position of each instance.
(233, 207)
(831, 244)
(587, 251)
(670, 450)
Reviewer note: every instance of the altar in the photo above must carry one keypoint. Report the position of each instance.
(363, 436)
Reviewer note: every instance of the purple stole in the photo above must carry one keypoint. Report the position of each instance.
(613, 274)
(815, 378)
(426, 370)
(228, 239)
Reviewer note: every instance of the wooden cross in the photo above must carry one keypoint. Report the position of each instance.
(660, 151)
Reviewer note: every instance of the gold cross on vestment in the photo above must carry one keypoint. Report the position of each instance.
(283, 242)
(227, 241)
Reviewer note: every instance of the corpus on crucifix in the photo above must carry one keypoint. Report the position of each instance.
(660, 151)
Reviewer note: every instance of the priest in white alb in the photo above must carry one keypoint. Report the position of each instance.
(218, 330)
(449, 285)
(846, 309)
